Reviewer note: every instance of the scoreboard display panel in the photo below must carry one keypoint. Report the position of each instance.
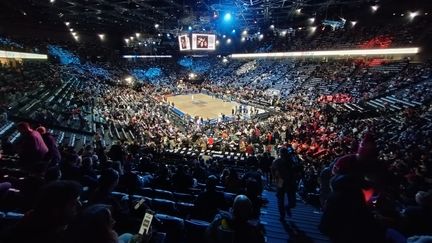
(184, 42)
(203, 42)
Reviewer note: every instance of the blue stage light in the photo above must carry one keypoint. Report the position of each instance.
(227, 17)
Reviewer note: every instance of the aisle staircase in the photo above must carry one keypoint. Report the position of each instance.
(302, 227)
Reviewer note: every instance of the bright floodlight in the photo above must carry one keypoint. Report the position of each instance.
(233, 31)
(243, 39)
(131, 38)
(127, 41)
(228, 41)
(129, 80)
(74, 33)
(244, 32)
(52, 1)
(224, 36)
(67, 23)
(313, 29)
(227, 17)
(71, 30)
(353, 23)
(190, 28)
(261, 36)
(76, 37)
(298, 11)
(217, 42)
(311, 20)
(412, 15)
(374, 8)
(283, 33)
(101, 37)
(272, 26)
(137, 35)
(156, 26)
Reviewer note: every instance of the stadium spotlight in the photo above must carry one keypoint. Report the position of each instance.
(101, 37)
(412, 15)
(244, 32)
(353, 23)
(298, 11)
(52, 1)
(227, 17)
(131, 38)
(71, 30)
(129, 80)
(272, 27)
(283, 33)
(311, 20)
(74, 33)
(228, 41)
(76, 37)
(127, 41)
(192, 75)
(67, 23)
(374, 8)
(261, 36)
(156, 26)
(137, 35)
(243, 39)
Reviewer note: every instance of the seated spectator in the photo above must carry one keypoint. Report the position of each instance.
(57, 205)
(346, 217)
(95, 225)
(102, 195)
(232, 182)
(31, 146)
(209, 202)
(236, 227)
(181, 181)
(88, 174)
(416, 219)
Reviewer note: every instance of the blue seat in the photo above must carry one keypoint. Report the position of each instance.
(172, 226)
(184, 209)
(163, 194)
(184, 197)
(146, 191)
(164, 206)
(195, 230)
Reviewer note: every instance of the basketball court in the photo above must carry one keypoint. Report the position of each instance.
(202, 105)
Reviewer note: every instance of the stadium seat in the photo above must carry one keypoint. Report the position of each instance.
(163, 194)
(164, 206)
(195, 230)
(172, 226)
(184, 197)
(184, 209)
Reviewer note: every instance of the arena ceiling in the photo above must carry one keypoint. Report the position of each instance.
(137, 15)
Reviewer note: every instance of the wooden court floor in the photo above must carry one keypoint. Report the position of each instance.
(202, 105)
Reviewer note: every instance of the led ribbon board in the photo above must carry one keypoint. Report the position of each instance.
(147, 56)
(356, 52)
(203, 42)
(21, 55)
(184, 43)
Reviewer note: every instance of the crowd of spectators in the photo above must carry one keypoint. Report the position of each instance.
(369, 173)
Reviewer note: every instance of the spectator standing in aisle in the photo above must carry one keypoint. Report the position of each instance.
(284, 171)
